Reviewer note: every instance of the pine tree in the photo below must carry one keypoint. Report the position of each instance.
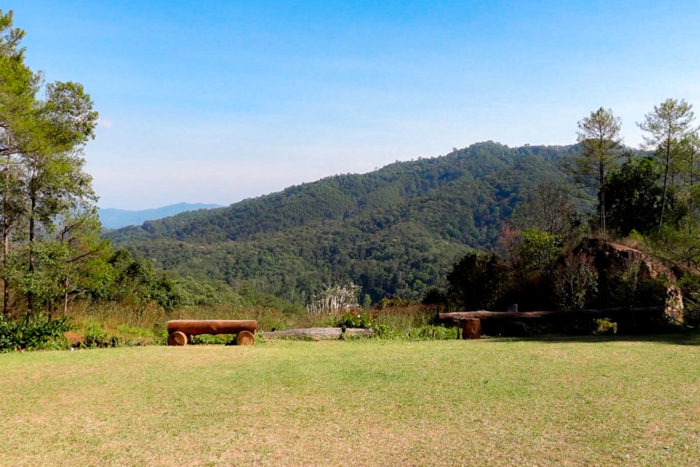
(667, 125)
(599, 136)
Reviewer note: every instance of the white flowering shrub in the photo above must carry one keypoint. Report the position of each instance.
(336, 299)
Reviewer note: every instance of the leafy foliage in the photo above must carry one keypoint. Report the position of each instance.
(31, 335)
(42, 132)
(478, 281)
(634, 196)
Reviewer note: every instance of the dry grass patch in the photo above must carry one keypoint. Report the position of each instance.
(590, 401)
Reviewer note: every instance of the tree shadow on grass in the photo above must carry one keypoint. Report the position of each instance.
(689, 337)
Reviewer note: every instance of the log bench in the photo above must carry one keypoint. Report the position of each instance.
(180, 331)
(632, 318)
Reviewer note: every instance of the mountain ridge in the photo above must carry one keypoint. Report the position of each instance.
(394, 231)
(113, 218)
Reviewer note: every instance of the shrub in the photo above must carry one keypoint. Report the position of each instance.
(211, 339)
(96, 337)
(355, 320)
(416, 333)
(33, 335)
(575, 281)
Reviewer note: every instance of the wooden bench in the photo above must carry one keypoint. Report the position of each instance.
(629, 318)
(180, 331)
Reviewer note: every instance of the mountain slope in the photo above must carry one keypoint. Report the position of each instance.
(116, 218)
(396, 230)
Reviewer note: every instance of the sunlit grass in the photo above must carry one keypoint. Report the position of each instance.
(578, 401)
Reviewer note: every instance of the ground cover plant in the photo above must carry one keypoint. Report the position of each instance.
(589, 400)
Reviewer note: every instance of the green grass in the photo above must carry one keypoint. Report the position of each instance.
(525, 402)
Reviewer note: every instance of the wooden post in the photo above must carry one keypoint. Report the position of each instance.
(471, 328)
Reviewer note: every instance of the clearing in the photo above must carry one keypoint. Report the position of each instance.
(571, 401)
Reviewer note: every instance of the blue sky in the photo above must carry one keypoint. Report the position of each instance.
(205, 101)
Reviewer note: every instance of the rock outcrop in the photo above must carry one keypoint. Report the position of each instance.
(623, 269)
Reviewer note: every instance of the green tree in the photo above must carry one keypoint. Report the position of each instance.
(634, 196)
(84, 268)
(548, 209)
(40, 148)
(18, 87)
(477, 281)
(539, 251)
(667, 125)
(689, 168)
(599, 136)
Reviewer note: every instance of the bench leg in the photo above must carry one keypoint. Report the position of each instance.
(245, 338)
(471, 328)
(177, 338)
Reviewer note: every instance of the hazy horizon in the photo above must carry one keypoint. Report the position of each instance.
(215, 102)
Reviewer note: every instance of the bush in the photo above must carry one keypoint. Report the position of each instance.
(355, 320)
(575, 281)
(416, 333)
(212, 339)
(96, 337)
(33, 335)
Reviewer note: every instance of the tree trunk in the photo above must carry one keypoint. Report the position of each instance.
(5, 253)
(601, 195)
(457, 316)
(663, 195)
(211, 326)
(65, 297)
(5, 286)
(30, 295)
(691, 204)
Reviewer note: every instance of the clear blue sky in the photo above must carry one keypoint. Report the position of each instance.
(206, 101)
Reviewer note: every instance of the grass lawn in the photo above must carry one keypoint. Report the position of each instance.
(525, 402)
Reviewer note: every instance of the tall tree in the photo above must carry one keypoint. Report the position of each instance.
(599, 136)
(548, 208)
(634, 196)
(689, 167)
(40, 152)
(18, 87)
(666, 126)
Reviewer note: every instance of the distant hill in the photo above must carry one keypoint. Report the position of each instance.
(395, 231)
(116, 218)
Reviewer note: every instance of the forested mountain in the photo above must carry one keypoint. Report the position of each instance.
(394, 231)
(115, 218)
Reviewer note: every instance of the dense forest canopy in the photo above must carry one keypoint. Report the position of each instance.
(394, 231)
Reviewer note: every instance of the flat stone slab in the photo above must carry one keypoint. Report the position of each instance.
(317, 334)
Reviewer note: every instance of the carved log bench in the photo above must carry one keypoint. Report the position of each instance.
(180, 331)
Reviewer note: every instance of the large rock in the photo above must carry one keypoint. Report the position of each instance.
(622, 265)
